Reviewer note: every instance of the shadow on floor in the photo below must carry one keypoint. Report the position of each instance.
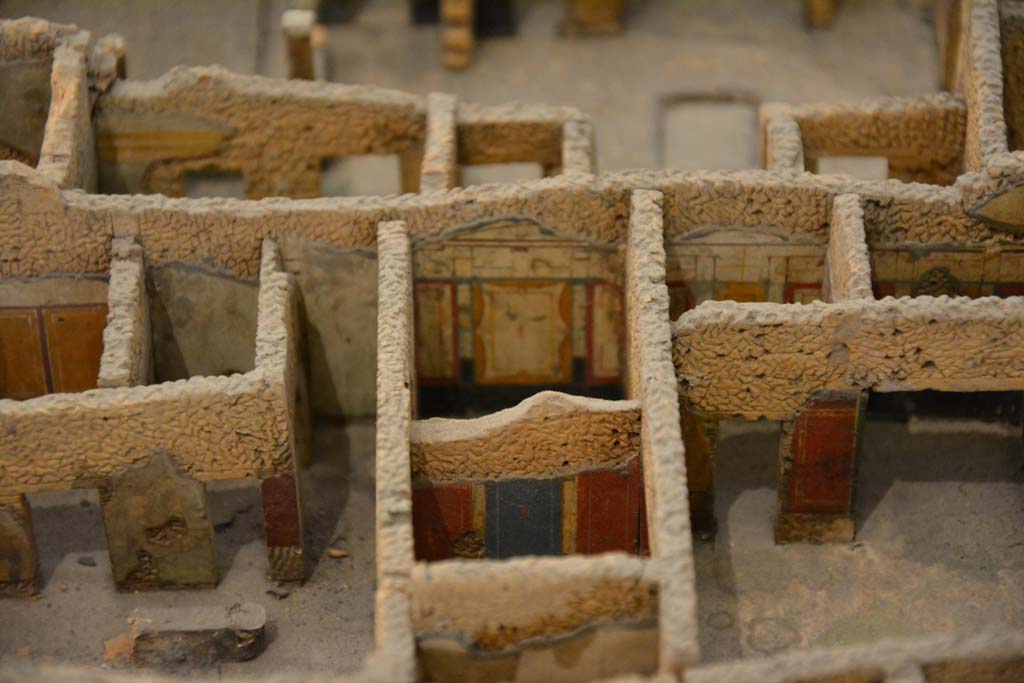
(66, 524)
(940, 541)
(326, 486)
(745, 467)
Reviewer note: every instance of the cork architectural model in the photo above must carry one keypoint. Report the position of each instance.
(548, 361)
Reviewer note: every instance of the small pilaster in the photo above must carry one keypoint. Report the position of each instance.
(817, 461)
(282, 522)
(18, 556)
(700, 434)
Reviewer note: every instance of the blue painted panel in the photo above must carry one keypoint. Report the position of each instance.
(524, 517)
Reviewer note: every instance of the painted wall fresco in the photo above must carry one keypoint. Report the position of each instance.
(953, 271)
(507, 308)
(736, 265)
(50, 349)
(590, 513)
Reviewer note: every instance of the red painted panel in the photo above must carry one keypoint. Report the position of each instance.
(644, 542)
(1010, 289)
(824, 441)
(282, 521)
(440, 514)
(802, 292)
(608, 511)
(680, 298)
(883, 289)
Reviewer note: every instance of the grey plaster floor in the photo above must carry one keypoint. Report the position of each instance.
(940, 547)
(326, 625)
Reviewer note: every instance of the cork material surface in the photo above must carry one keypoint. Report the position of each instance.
(849, 270)
(235, 110)
(483, 601)
(127, 340)
(665, 481)
(218, 427)
(393, 630)
(779, 355)
(549, 434)
(926, 130)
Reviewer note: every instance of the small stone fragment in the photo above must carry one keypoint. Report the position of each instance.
(177, 637)
(336, 553)
(158, 529)
(117, 648)
(278, 593)
(86, 561)
(1002, 210)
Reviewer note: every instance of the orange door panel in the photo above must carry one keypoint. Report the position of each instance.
(22, 373)
(74, 342)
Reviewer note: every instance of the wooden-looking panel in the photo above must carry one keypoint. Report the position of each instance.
(22, 372)
(74, 344)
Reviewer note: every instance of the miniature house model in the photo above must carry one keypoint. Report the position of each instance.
(548, 361)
